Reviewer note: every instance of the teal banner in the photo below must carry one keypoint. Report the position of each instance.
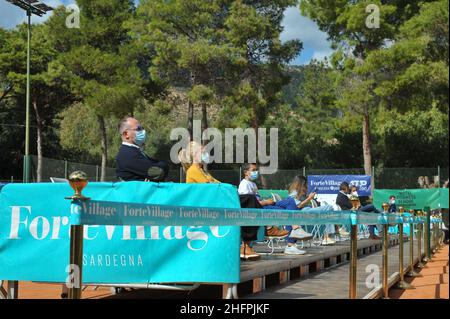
(418, 199)
(115, 213)
(35, 223)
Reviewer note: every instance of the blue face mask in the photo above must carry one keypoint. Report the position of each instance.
(205, 158)
(141, 137)
(254, 175)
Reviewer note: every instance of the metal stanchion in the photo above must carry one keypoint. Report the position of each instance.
(353, 260)
(78, 181)
(411, 272)
(434, 248)
(76, 261)
(427, 239)
(402, 283)
(385, 285)
(385, 261)
(420, 264)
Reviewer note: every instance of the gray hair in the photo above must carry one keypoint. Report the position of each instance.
(123, 124)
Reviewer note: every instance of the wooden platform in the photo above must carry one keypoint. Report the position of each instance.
(333, 283)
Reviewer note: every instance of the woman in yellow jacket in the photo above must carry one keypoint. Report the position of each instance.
(193, 160)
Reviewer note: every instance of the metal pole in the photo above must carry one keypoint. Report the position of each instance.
(411, 272)
(353, 260)
(240, 174)
(304, 171)
(26, 164)
(66, 168)
(420, 264)
(436, 234)
(76, 260)
(373, 180)
(12, 289)
(428, 235)
(402, 284)
(385, 261)
(439, 176)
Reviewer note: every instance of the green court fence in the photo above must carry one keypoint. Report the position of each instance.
(384, 178)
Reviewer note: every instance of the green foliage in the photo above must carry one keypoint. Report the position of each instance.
(227, 57)
(413, 72)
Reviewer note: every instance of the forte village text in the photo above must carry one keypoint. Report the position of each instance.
(25, 223)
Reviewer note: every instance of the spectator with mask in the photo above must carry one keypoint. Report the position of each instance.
(249, 197)
(132, 163)
(298, 199)
(194, 161)
(343, 201)
(392, 206)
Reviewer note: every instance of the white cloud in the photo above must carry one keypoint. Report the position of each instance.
(302, 28)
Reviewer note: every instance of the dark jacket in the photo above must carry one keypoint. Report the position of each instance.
(343, 202)
(392, 208)
(134, 165)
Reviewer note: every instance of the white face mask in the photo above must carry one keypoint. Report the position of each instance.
(355, 194)
(205, 158)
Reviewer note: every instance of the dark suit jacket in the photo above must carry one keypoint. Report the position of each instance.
(343, 201)
(134, 165)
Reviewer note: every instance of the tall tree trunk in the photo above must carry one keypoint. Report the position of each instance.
(104, 145)
(191, 119)
(204, 117)
(38, 142)
(191, 110)
(367, 146)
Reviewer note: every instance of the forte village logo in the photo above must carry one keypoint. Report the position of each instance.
(26, 224)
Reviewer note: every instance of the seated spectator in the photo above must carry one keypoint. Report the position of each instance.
(249, 234)
(194, 161)
(298, 200)
(392, 206)
(343, 201)
(248, 187)
(132, 163)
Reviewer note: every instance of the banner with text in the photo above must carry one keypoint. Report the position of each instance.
(327, 186)
(435, 198)
(35, 224)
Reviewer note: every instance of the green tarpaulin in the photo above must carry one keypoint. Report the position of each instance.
(435, 198)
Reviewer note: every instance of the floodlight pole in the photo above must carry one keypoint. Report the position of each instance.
(26, 166)
(38, 9)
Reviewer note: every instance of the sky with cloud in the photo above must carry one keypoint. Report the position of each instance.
(315, 43)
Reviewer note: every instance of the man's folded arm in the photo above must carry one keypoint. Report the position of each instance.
(158, 171)
(155, 171)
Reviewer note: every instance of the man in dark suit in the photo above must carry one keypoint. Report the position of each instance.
(343, 201)
(132, 163)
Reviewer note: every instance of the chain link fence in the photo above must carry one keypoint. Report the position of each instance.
(384, 178)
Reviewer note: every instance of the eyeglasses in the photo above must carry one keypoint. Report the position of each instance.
(137, 129)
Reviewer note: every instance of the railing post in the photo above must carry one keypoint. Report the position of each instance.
(427, 235)
(78, 181)
(411, 272)
(385, 261)
(353, 260)
(419, 236)
(402, 284)
(13, 289)
(76, 261)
